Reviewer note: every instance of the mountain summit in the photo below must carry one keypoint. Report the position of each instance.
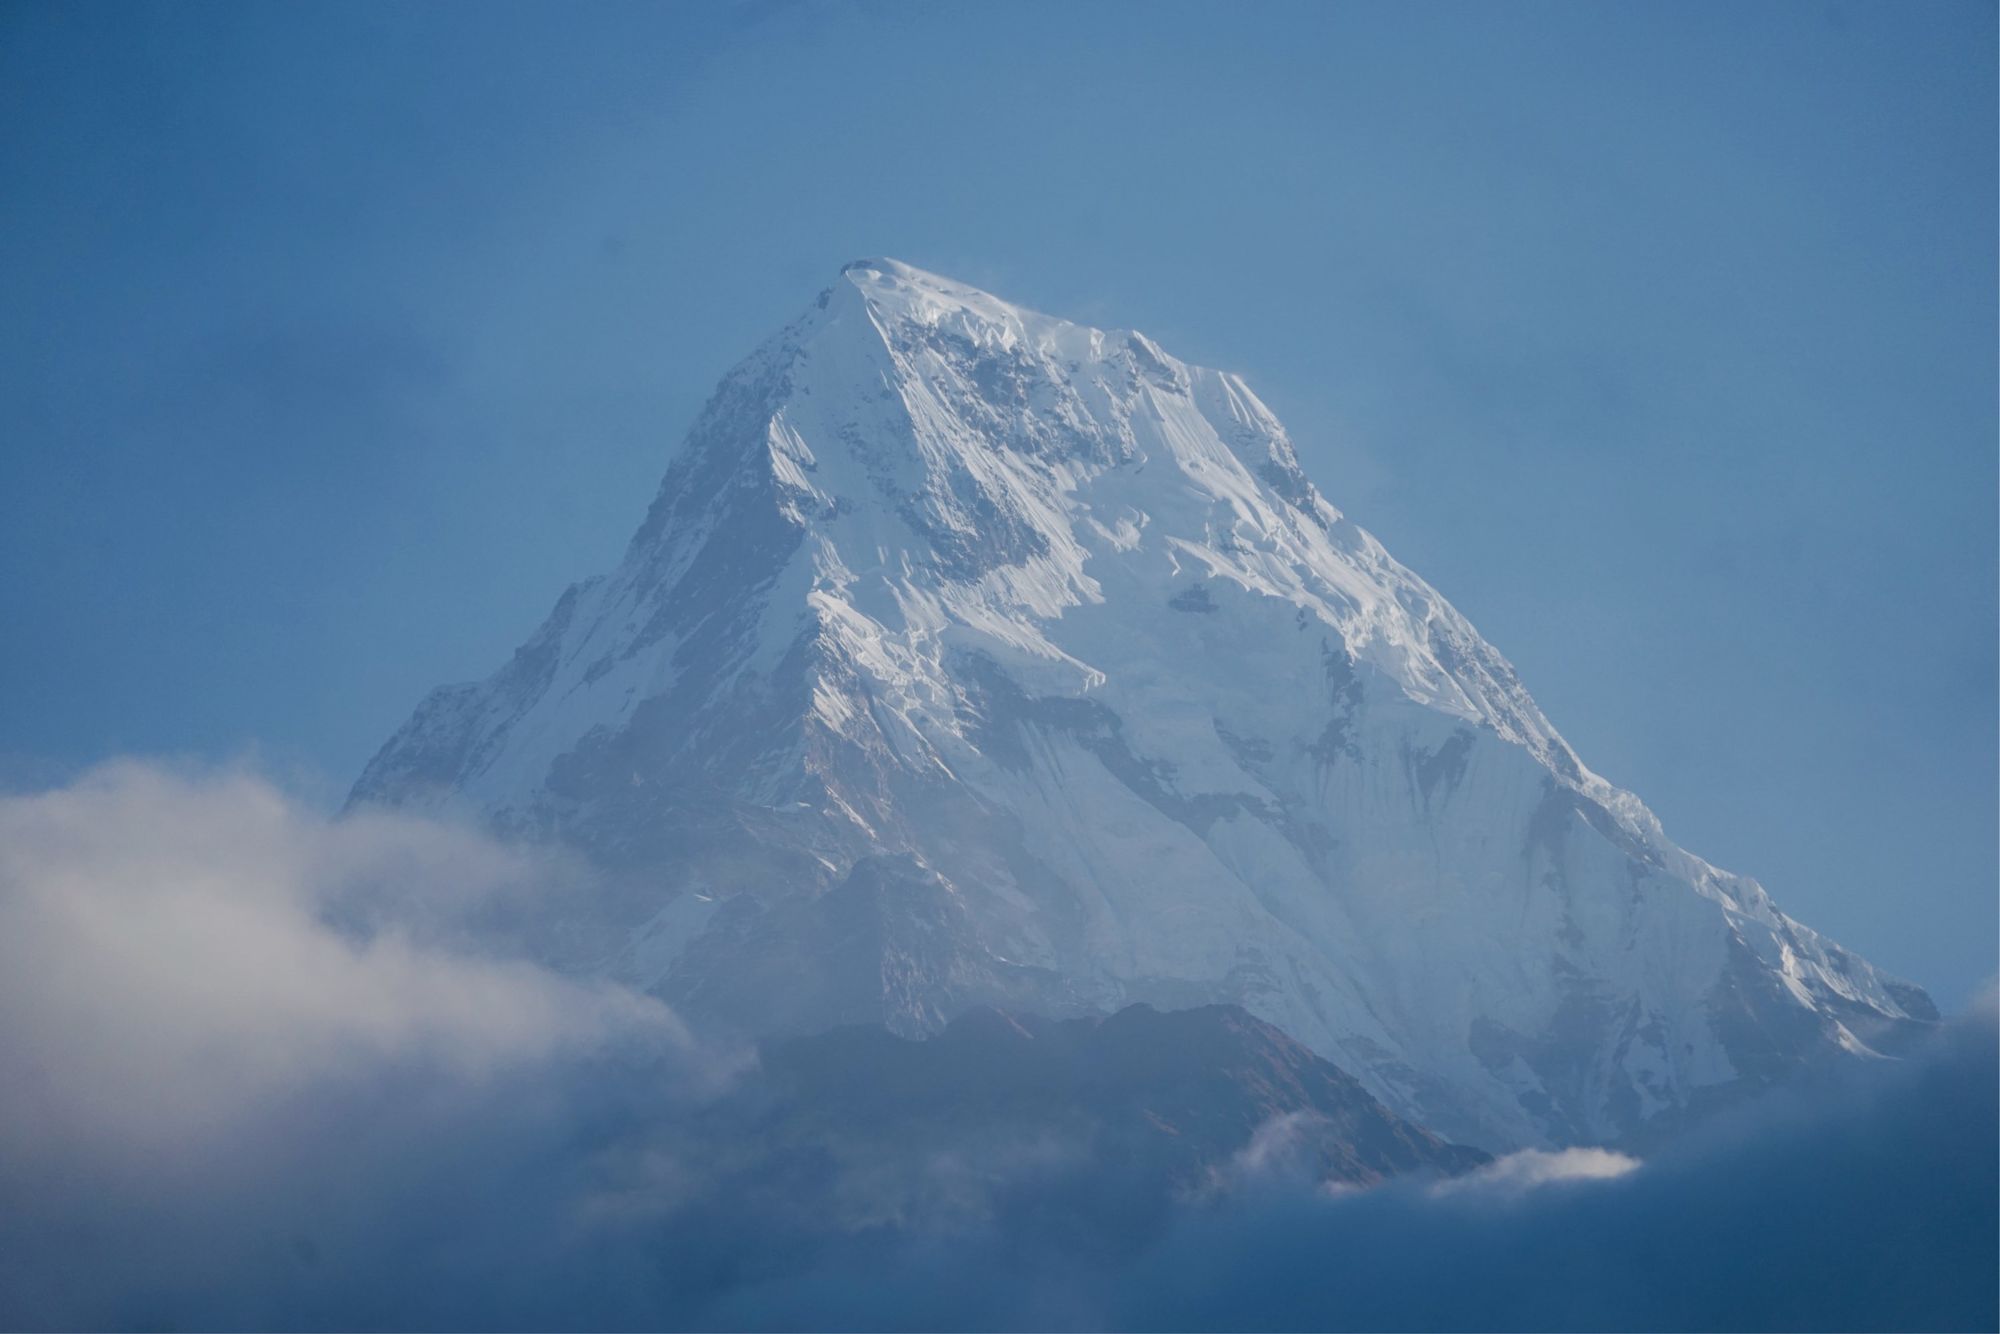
(972, 657)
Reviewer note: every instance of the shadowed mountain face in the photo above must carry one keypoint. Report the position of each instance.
(969, 657)
(1182, 1094)
(1099, 1124)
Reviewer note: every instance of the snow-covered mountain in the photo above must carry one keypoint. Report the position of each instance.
(968, 656)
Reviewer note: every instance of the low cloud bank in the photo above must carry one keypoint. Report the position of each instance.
(1864, 1203)
(263, 1069)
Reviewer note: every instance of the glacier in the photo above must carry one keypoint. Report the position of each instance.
(972, 657)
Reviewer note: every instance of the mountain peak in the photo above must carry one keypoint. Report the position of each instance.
(898, 293)
(890, 275)
(884, 267)
(891, 282)
(973, 657)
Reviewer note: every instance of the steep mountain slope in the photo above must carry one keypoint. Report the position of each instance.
(855, 1127)
(971, 657)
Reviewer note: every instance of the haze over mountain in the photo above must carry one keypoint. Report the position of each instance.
(970, 657)
(856, 1128)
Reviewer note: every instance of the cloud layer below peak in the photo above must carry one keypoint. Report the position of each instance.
(261, 1068)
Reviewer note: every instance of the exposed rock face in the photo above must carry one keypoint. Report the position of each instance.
(970, 657)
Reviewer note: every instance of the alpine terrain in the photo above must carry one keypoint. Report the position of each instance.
(972, 658)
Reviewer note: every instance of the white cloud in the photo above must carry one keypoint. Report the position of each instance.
(180, 953)
(1529, 1168)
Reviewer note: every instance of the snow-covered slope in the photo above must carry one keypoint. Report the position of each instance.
(968, 656)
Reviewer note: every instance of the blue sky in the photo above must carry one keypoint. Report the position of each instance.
(1660, 338)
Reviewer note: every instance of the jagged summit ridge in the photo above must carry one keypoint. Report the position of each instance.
(971, 656)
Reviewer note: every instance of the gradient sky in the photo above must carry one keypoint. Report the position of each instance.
(1660, 338)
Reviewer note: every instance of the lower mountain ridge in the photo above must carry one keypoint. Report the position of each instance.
(856, 1128)
(972, 658)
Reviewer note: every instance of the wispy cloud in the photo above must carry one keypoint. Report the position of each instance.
(1536, 1167)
